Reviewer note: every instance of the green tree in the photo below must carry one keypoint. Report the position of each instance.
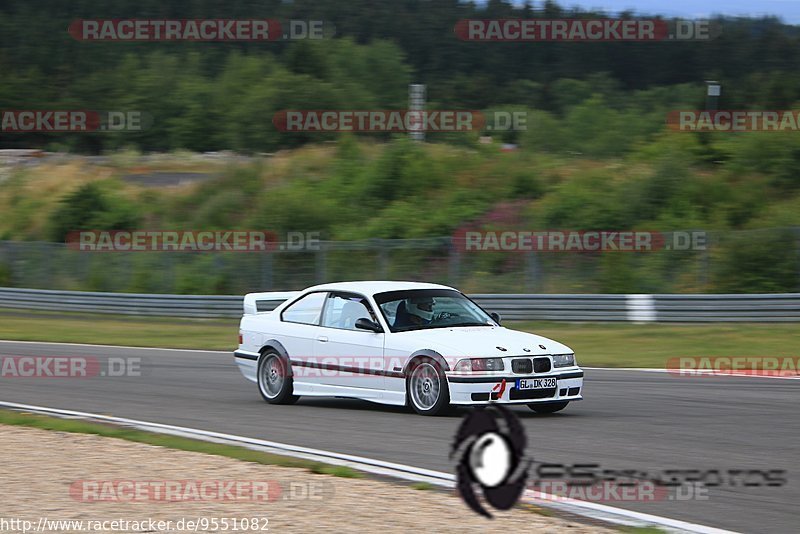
(90, 208)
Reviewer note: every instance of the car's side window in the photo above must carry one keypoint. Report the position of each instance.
(306, 310)
(390, 310)
(343, 310)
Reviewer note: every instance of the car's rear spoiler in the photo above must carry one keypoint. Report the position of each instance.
(266, 302)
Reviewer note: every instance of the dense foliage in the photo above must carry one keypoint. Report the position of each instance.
(595, 154)
(211, 96)
(356, 190)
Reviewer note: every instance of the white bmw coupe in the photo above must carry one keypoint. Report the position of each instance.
(400, 343)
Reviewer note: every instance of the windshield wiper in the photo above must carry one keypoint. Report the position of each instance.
(470, 324)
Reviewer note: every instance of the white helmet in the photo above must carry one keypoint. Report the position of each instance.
(421, 307)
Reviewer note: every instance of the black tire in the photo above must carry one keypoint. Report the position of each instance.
(275, 392)
(550, 407)
(431, 376)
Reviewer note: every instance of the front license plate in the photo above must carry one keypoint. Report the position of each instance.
(536, 383)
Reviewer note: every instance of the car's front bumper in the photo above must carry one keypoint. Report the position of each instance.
(476, 389)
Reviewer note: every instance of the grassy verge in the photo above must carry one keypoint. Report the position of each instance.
(595, 344)
(632, 345)
(209, 334)
(12, 418)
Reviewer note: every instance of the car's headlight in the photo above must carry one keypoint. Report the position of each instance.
(563, 360)
(479, 364)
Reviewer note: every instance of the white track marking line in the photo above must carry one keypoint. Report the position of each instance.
(602, 512)
(688, 374)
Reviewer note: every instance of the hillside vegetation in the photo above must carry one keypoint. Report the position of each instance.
(354, 190)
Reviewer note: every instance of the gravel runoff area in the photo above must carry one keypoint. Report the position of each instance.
(50, 476)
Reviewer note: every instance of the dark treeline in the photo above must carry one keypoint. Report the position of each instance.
(206, 96)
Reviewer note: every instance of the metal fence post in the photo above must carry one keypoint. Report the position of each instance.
(7, 258)
(266, 270)
(169, 270)
(797, 248)
(321, 263)
(531, 271)
(454, 265)
(45, 266)
(705, 262)
(383, 258)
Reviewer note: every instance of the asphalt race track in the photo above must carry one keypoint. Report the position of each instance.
(629, 420)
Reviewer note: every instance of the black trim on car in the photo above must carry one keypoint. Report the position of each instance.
(277, 346)
(495, 379)
(347, 369)
(530, 394)
(429, 353)
(244, 355)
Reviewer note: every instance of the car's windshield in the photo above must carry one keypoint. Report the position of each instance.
(430, 308)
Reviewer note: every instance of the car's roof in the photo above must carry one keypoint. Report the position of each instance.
(373, 287)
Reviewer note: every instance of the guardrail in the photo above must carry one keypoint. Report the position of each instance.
(635, 308)
(122, 303)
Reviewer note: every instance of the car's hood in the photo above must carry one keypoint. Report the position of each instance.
(485, 341)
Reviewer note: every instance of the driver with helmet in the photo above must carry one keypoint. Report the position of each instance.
(414, 311)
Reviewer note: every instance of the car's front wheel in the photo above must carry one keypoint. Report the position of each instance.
(426, 387)
(274, 382)
(550, 407)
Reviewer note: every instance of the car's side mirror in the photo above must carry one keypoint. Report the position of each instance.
(366, 324)
(495, 316)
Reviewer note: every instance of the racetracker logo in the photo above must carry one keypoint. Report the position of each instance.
(734, 121)
(378, 121)
(644, 491)
(69, 367)
(583, 30)
(768, 366)
(174, 490)
(577, 241)
(42, 121)
(190, 241)
(138, 30)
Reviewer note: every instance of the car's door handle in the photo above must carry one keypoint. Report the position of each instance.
(322, 339)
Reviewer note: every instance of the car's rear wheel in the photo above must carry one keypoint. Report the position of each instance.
(550, 407)
(274, 381)
(426, 387)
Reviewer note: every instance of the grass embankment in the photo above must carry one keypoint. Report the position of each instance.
(595, 344)
(12, 418)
